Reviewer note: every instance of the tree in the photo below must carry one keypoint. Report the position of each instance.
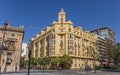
(40, 61)
(26, 63)
(66, 61)
(22, 62)
(43, 61)
(55, 61)
(116, 54)
(93, 53)
(33, 61)
(109, 51)
(113, 53)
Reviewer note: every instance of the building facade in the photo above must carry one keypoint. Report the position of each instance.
(62, 38)
(101, 48)
(10, 47)
(105, 32)
(105, 38)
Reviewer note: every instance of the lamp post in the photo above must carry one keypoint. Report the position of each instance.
(29, 56)
(2, 42)
(29, 62)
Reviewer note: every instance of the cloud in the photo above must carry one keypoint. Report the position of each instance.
(24, 49)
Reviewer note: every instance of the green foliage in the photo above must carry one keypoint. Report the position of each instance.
(55, 61)
(43, 61)
(110, 48)
(113, 52)
(116, 54)
(46, 61)
(33, 61)
(93, 52)
(26, 62)
(39, 61)
(66, 59)
(22, 62)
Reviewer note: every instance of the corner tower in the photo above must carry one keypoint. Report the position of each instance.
(61, 16)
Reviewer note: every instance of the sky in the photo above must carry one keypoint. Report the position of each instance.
(36, 15)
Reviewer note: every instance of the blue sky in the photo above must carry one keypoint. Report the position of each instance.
(38, 14)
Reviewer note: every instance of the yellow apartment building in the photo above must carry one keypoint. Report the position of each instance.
(62, 38)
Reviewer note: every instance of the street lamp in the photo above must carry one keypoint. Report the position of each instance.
(2, 42)
(29, 56)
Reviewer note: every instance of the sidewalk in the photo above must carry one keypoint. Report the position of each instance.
(31, 71)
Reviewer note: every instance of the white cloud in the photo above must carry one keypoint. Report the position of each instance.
(24, 49)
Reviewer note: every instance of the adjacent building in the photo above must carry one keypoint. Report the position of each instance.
(10, 47)
(62, 38)
(101, 48)
(105, 32)
(105, 36)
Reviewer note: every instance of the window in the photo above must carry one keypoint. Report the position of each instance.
(0, 43)
(52, 36)
(79, 65)
(12, 34)
(53, 30)
(61, 36)
(36, 51)
(69, 29)
(75, 65)
(75, 38)
(70, 48)
(9, 55)
(3, 60)
(61, 43)
(61, 30)
(61, 25)
(11, 45)
(54, 42)
(70, 36)
(8, 64)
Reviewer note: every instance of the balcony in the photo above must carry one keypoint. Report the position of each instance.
(9, 61)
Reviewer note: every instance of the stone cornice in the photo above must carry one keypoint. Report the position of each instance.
(12, 29)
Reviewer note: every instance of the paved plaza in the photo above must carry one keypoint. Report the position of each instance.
(65, 72)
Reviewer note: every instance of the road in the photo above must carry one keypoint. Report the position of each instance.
(66, 72)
